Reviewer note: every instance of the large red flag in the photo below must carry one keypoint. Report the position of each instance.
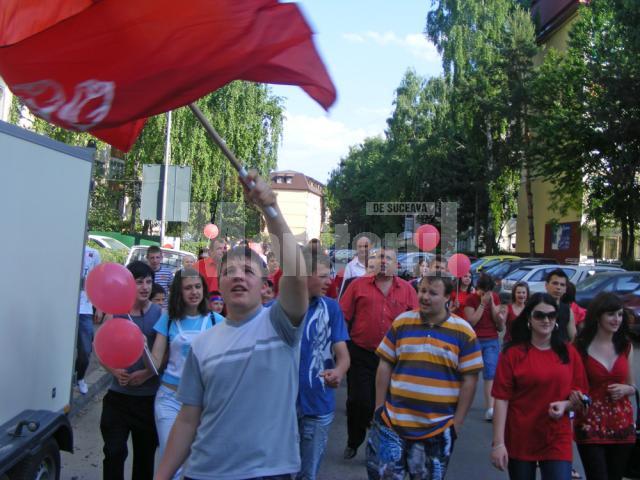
(103, 66)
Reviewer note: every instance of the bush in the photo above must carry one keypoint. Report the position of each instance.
(115, 256)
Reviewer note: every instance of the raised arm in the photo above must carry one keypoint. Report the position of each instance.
(293, 285)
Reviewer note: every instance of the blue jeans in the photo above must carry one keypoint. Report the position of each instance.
(391, 457)
(166, 410)
(549, 470)
(83, 344)
(314, 433)
(490, 351)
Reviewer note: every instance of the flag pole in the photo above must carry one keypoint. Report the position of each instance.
(228, 153)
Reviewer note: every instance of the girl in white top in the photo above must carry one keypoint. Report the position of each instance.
(188, 316)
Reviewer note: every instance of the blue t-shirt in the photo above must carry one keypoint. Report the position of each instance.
(178, 350)
(324, 326)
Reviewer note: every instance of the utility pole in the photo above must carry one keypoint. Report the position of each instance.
(167, 160)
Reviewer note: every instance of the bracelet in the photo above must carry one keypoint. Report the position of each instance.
(500, 445)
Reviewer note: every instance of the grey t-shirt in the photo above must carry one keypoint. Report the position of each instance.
(244, 375)
(146, 323)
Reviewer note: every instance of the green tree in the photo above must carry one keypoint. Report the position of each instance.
(588, 130)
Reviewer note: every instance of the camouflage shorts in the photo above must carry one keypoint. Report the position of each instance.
(390, 457)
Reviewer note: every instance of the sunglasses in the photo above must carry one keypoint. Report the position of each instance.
(540, 315)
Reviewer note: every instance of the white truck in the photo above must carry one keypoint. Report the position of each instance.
(44, 198)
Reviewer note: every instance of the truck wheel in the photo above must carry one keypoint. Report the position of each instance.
(44, 465)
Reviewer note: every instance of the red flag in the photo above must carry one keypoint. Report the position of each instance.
(103, 66)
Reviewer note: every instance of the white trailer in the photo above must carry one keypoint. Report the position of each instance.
(44, 197)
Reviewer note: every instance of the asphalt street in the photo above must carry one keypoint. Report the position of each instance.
(470, 458)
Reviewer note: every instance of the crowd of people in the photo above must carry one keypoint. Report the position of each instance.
(246, 351)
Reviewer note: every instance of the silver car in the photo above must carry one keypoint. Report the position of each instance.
(535, 275)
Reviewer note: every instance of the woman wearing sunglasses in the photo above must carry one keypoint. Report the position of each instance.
(536, 375)
(605, 433)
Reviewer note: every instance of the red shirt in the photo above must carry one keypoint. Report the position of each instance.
(275, 278)
(208, 268)
(530, 379)
(579, 313)
(462, 301)
(606, 421)
(486, 327)
(370, 314)
(511, 316)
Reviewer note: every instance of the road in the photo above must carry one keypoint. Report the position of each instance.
(469, 460)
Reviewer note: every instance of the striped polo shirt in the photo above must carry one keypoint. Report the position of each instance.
(428, 364)
(164, 277)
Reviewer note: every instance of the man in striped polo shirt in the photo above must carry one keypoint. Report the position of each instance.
(162, 275)
(425, 383)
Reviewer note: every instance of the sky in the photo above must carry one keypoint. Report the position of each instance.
(367, 46)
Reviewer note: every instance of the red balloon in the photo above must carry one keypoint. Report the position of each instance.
(119, 343)
(211, 231)
(111, 288)
(459, 265)
(426, 238)
(167, 245)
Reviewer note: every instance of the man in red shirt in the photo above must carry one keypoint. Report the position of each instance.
(370, 304)
(208, 267)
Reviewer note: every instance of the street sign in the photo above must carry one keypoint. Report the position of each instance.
(178, 193)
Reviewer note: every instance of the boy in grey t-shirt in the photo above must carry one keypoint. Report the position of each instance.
(240, 380)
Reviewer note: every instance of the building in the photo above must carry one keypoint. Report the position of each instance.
(558, 236)
(301, 200)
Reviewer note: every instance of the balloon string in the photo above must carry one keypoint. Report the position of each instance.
(147, 352)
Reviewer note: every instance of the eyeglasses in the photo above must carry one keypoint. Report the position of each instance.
(540, 315)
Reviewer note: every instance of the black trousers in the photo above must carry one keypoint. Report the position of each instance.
(605, 462)
(361, 393)
(123, 415)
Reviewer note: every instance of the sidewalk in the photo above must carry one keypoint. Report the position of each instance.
(97, 379)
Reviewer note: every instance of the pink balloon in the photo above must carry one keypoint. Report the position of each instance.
(111, 288)
(211, 231)
(119, 343)
(426, 238)
(459, 265)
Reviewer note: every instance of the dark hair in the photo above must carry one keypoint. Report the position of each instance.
(436, 258)
(485, 283)
(201, 251)
(461, 287)
(269, 282)
(156, 288)
(243, 252)
(570, 295)
(517, 286)
(176, 302)
(558, 272)
(153, 249)
(444, 278)
(416, 270)
(140, 269)
(521, 327)
(313, 258)
(604, 302)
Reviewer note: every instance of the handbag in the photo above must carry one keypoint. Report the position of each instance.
(633, 464)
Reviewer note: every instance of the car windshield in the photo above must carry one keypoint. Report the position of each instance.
(593, 282)
(499, 270)
(491, 264)
(115, 244)
(517, 274)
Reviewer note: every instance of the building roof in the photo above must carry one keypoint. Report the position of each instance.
(548, 15)
(292, 180)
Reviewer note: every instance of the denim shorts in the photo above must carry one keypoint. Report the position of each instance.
(490, 351)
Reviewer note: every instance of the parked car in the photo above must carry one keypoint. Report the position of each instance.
(489, 261)
(102, 241)
(170, 258)
(535, 275)
(407, 263)
(622, 283)
(503, 269)
(631, 302)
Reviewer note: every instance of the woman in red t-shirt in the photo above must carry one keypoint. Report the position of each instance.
(605, 433)
(482, 310)
(537, 373)
(464, 289)
(519, 296)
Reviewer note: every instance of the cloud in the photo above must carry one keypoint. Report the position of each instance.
(314, 145)
(416, 43)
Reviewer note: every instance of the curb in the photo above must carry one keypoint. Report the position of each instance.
(98, 380)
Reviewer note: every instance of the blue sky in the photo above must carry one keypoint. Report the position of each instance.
(367, 47)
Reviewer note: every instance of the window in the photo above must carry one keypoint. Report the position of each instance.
(288, 179)
(627, 283)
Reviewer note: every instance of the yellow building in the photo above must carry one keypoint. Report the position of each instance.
(301, 200)
(558, 236)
